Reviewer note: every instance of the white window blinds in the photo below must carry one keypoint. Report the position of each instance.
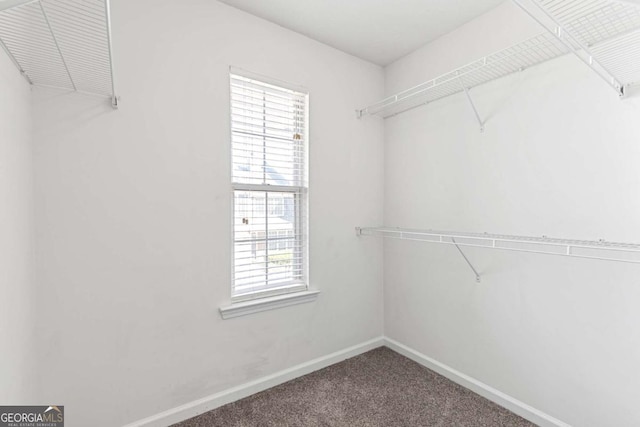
(269, 180)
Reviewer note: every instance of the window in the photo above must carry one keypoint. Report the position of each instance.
(269, 181)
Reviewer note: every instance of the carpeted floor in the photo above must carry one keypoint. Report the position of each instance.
(379, 388)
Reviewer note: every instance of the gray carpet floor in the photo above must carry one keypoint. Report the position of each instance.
(379, 388)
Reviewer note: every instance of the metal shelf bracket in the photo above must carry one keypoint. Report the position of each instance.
(473, 106)
(55, 41)
(467, 260)
(15, 62)
(114, 98)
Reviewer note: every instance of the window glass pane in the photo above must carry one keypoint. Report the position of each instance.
(268, 244)
(249, 214)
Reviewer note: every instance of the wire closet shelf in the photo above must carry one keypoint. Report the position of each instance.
(604, 34)
(592, 249)
(64, 44)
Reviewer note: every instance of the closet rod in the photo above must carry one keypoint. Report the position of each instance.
(590, 249)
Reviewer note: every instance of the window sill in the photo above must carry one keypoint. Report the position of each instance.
(264, 304)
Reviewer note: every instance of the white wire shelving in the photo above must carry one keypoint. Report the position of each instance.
(518, 57)
(64, 44)
(610, 29)
(604, 34)
(591, 249)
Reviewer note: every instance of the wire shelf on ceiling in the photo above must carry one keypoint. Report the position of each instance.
(64, 44)
(603, 34)
(600, 249)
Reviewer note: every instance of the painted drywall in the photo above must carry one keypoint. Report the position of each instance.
(17, 362)
(559, 157)
(133, 216)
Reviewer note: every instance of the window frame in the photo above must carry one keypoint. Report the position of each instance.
(299, 192)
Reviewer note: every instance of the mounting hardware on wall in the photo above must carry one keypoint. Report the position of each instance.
(604, 34)
(64, 44)
(590, 249)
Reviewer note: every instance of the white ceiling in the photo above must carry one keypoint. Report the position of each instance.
(379, 31)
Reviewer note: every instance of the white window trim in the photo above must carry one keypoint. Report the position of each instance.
(292, 294)
(263, 304)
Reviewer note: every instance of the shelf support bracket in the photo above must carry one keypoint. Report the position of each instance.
(55, 41)
(575, 46)
(15, 62)
(467, 260)
(473, 106)
(114, 98)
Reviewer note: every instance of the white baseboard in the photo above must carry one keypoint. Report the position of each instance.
(213, 401)
(514, 405)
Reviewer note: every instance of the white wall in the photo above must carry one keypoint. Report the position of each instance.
(133, 221)
(133, 216)
(17, 368)
(559, 157)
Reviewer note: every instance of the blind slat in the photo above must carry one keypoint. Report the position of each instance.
(291, 105)
(251, 83)
(259, 94)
